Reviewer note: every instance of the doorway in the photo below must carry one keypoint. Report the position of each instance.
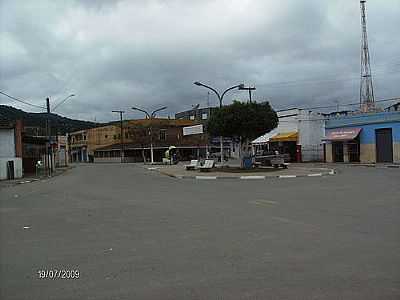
(384, 145)
(353, 149)
(337, 152)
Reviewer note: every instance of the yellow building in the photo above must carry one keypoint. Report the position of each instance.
(136, 135)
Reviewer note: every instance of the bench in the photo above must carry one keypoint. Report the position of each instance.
(194, 164)
(208, 165)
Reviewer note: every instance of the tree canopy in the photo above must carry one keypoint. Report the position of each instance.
(245, 120)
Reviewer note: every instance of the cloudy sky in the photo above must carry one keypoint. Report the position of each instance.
(118, 54)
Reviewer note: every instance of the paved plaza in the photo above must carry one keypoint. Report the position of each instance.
(134, 233)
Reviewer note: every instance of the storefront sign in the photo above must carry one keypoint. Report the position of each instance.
(190, 130)
(342, 134)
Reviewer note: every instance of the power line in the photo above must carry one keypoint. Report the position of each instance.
(347, 79)
(22, 101)
(349, 104)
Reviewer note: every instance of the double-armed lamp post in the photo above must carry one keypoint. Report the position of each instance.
(220, 98)
(150, 117)
(121, 123)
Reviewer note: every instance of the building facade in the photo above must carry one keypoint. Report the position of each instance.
(77, 146)
(10, 149)
(104, 144)
(299, 133)
(365, 138)
(196, 114)
(138, 135)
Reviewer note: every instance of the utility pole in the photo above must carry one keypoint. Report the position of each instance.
(122, 150)
(208, 117)
(249, 88)
(337, 104)
(48, 132)
(367, 98)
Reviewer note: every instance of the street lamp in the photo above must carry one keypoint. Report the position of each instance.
(62, 101)
(120, 112)
(150, 117)
(48, 129)
(220, 98)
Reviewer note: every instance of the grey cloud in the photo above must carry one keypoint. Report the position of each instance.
(115, 54)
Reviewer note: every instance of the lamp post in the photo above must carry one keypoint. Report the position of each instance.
(150, 117)
(220, 98)
(48, 129)
(62, 101)
(121, 112)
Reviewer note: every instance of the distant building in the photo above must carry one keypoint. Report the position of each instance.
(103, 144)
(196, 114)
(77, 146)
(366, 138)
(394, 107)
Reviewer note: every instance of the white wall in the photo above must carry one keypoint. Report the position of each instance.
(288, 121)
(311, 132)
(17, 167)
(7, 143)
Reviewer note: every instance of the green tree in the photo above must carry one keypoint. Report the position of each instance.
(245, 121)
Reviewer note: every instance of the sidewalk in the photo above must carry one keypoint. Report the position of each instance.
(32, 178)
(293, 171)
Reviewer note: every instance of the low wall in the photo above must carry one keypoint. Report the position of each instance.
(17, 167)
(396, 153)
(116, 160)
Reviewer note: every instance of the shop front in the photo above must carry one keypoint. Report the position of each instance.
(364, 138)
(343, 145)
(285, 143)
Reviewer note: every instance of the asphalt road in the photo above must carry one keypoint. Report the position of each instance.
(135, 234)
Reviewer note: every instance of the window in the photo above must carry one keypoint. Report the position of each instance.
(163, 134)
(115, 137)
(191, 117)
(204, 116)
(126, 135)
(106, 136)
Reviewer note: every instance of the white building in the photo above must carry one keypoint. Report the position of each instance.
(299, 133)
(10, 164)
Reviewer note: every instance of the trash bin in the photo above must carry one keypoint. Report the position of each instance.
(247, 162)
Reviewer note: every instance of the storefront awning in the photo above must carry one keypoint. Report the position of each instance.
(285, 137)
(265, 138)
(342, 134)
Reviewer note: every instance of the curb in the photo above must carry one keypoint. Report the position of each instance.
(20, 181)
(244, 177)
(375, 166)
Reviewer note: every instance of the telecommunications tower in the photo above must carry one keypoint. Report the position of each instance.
(367, 99)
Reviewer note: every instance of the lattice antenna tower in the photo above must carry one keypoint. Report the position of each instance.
(367, 98)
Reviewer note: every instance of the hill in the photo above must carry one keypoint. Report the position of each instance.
(59, 125)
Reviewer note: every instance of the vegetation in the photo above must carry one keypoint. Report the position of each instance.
(245, 121)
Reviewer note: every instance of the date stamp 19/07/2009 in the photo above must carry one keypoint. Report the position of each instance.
(58, 274)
